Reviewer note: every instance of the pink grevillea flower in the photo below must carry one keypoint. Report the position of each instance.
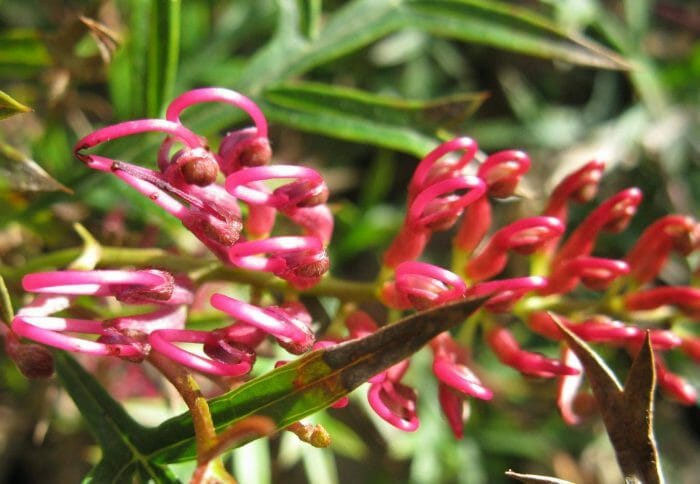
(602, 329)
(246, 147)
(438, 166)
(301, 261)
(503, 170)
(505, 292)
(674, 385)
(507, 349)
(436, 207)
(685, 298)
(456, 381)
(580, 186)
(690, 345)
(290, 325)
(524, 236)
(670, 233)
(392, 400)
(421, 286)
(568, 387)
(612, 215)
(595, 272)
(308, 190)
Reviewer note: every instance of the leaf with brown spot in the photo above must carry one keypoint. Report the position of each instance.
(17, 172)
(627, 412)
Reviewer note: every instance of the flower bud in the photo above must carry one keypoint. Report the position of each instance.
(198, 166)
(502, 172)
(34, 361)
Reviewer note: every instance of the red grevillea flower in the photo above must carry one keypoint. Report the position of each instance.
(439, 166)
(503, 293)
(595, 272)
(580, 186)
(686, 299)
(392, 400)
(502, 172)
(421, 286)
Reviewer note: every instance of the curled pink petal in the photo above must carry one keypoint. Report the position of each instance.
(509, 352)
(595, 272)
(568, 387)
(96, 283)
(455, 409)
(437, 206)
(435, 166)
(293, 333)
(316, 221)
(308, 190)
(524, 236)
(675, 385)
(162, 342)
(395, 403)
(502, 171)
(686, 298)
(167, 317)
(427, 285)
(504, 292)
(580, 186)
(244, 148)
(459, 377)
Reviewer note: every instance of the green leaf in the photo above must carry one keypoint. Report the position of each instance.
(120, 437)
(18, 172)
(163, 50)
(10, 106)
(314, 381)
(627, 412)
(22, 53)
(400, 124)
(7, 314)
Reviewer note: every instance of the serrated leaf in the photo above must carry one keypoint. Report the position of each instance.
(10, 106)
(400, 124)
(120, 437)
(627, 412)
(23, 174)
(314, 381)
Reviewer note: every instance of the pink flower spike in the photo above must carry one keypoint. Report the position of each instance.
(49, 331)
(686, 298)
(612, 215)
(502, 172)
(595, 272)
(434, 168)
(162, 342)
(293, 333)
(649, 254)
(395, 403)
(504, 292)
(568, 386)
(128, 128)
(455, 409)
(437, 206)
(523, 236)
(427, 285)
(217, 94)
(508, 351)
(580, 186)
(308, 190)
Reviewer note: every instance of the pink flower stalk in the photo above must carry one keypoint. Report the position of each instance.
(686, 299)
(248, 147)
(649, 254)
(392, 400)
(436, 166)
(612, 215)
(421, 286)
(299, 260)
(524, 236)
(507, 349)
(308, 190)
(287, 325)
(505, 292)
(502, 172)
(595, 272)
(474, 226)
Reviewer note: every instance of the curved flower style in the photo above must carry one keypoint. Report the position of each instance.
(421, 286)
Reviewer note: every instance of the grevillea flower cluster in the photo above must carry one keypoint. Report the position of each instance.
(225, 197)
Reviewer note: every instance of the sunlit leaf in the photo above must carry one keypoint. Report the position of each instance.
(23, 174)
(10, 106)
(627, 412)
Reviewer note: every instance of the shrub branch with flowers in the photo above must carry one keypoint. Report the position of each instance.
(269, 226)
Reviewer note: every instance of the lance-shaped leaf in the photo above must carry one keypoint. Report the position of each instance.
(313, 382)
(10, 106)
(627, 412)
(120, 437)
(6, 311)
(400, 124)
(18, 172)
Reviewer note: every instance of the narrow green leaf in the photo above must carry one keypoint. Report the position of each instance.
(10, 106)
(7, 314)
(18, 172)
(310, 17)
(627, 413)
(163, 50)
(22, 53)
(312, 382)
(119, 436)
